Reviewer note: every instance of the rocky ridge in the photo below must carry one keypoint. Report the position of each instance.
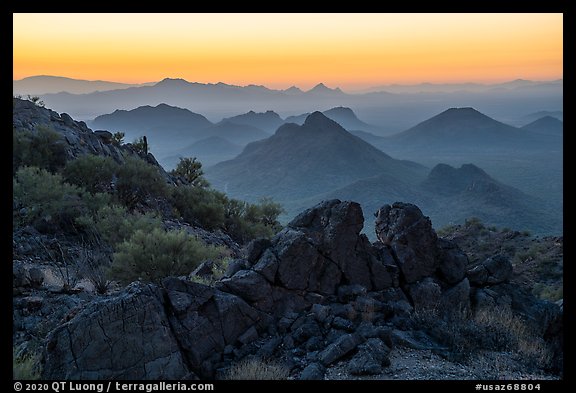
(316, 294)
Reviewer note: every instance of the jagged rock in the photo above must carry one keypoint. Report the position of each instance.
(125, 337)
(453, 261)
(250, 286)
(314, 371)
(342, 324)
(340, 348)
(350, 292)
(495, 270)
(320, 312)
(106, 136)
(404, 228)
(425, 294)
(234, 266)
(255, 249)
(371, 357)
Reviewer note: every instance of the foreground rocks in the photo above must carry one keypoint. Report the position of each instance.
(316, 295)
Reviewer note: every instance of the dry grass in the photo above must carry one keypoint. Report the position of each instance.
(25, 367)
(258, 369)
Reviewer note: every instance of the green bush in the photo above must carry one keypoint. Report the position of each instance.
(151, 256)
(202, 206)
(138, 181)
(245, 221)
(114, 224)
(42, 196)
(42, 148)
(191, 171)
(94, 173)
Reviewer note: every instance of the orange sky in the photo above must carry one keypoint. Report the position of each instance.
(280, 50)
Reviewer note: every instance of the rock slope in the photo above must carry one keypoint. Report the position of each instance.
(317, 293)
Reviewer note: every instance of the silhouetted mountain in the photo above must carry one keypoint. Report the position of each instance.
(266, 121)
(546, 125)
(147, 118)
(302, 161)
(450, 195)
(322, 90)
(540, 114)
(209, 151)
(471, 192)
(44, 84)
(462, 128)
(341, 115)
(293, 90)
(460, 87)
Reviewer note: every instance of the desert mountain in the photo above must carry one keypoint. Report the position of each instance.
(303, 161)
(147, 118)
(267, 121)
(44, 84)
(462, 127)
(168, 128)
(546, 125)
(341, 115)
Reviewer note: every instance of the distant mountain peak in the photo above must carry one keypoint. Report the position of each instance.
(173, 82)
(318, 119)
(321, 88)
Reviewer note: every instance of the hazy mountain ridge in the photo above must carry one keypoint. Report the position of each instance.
(390, 112)
(300, 161)
(320, 160)
(46, 84)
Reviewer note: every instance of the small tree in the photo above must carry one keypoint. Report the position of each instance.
(36, 100)
(191, 171)
(152, 256)
(118, 138)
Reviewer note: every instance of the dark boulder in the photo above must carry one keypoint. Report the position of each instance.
(494, 270)
(404, 228)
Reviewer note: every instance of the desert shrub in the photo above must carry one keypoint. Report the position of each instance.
(202, 206)
(137, 181)
(246, 221)
(141, 145)
(473, 223)
(40, 196)
(151, 256)
(258, 369)
(118, 138)
(42, 148)
(497, 329)
(25, 366)
(191, 171)
(94, 173)
(93, 262)
(115, 224)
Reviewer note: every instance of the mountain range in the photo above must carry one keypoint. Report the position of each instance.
(390, 112)
(321, 160)
(43, 84)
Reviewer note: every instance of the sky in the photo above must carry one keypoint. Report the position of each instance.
(351, 51)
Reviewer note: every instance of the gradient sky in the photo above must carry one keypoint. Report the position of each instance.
(351, 51)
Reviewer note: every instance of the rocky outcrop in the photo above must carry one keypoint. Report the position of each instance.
(316, 294)
(77, 138)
